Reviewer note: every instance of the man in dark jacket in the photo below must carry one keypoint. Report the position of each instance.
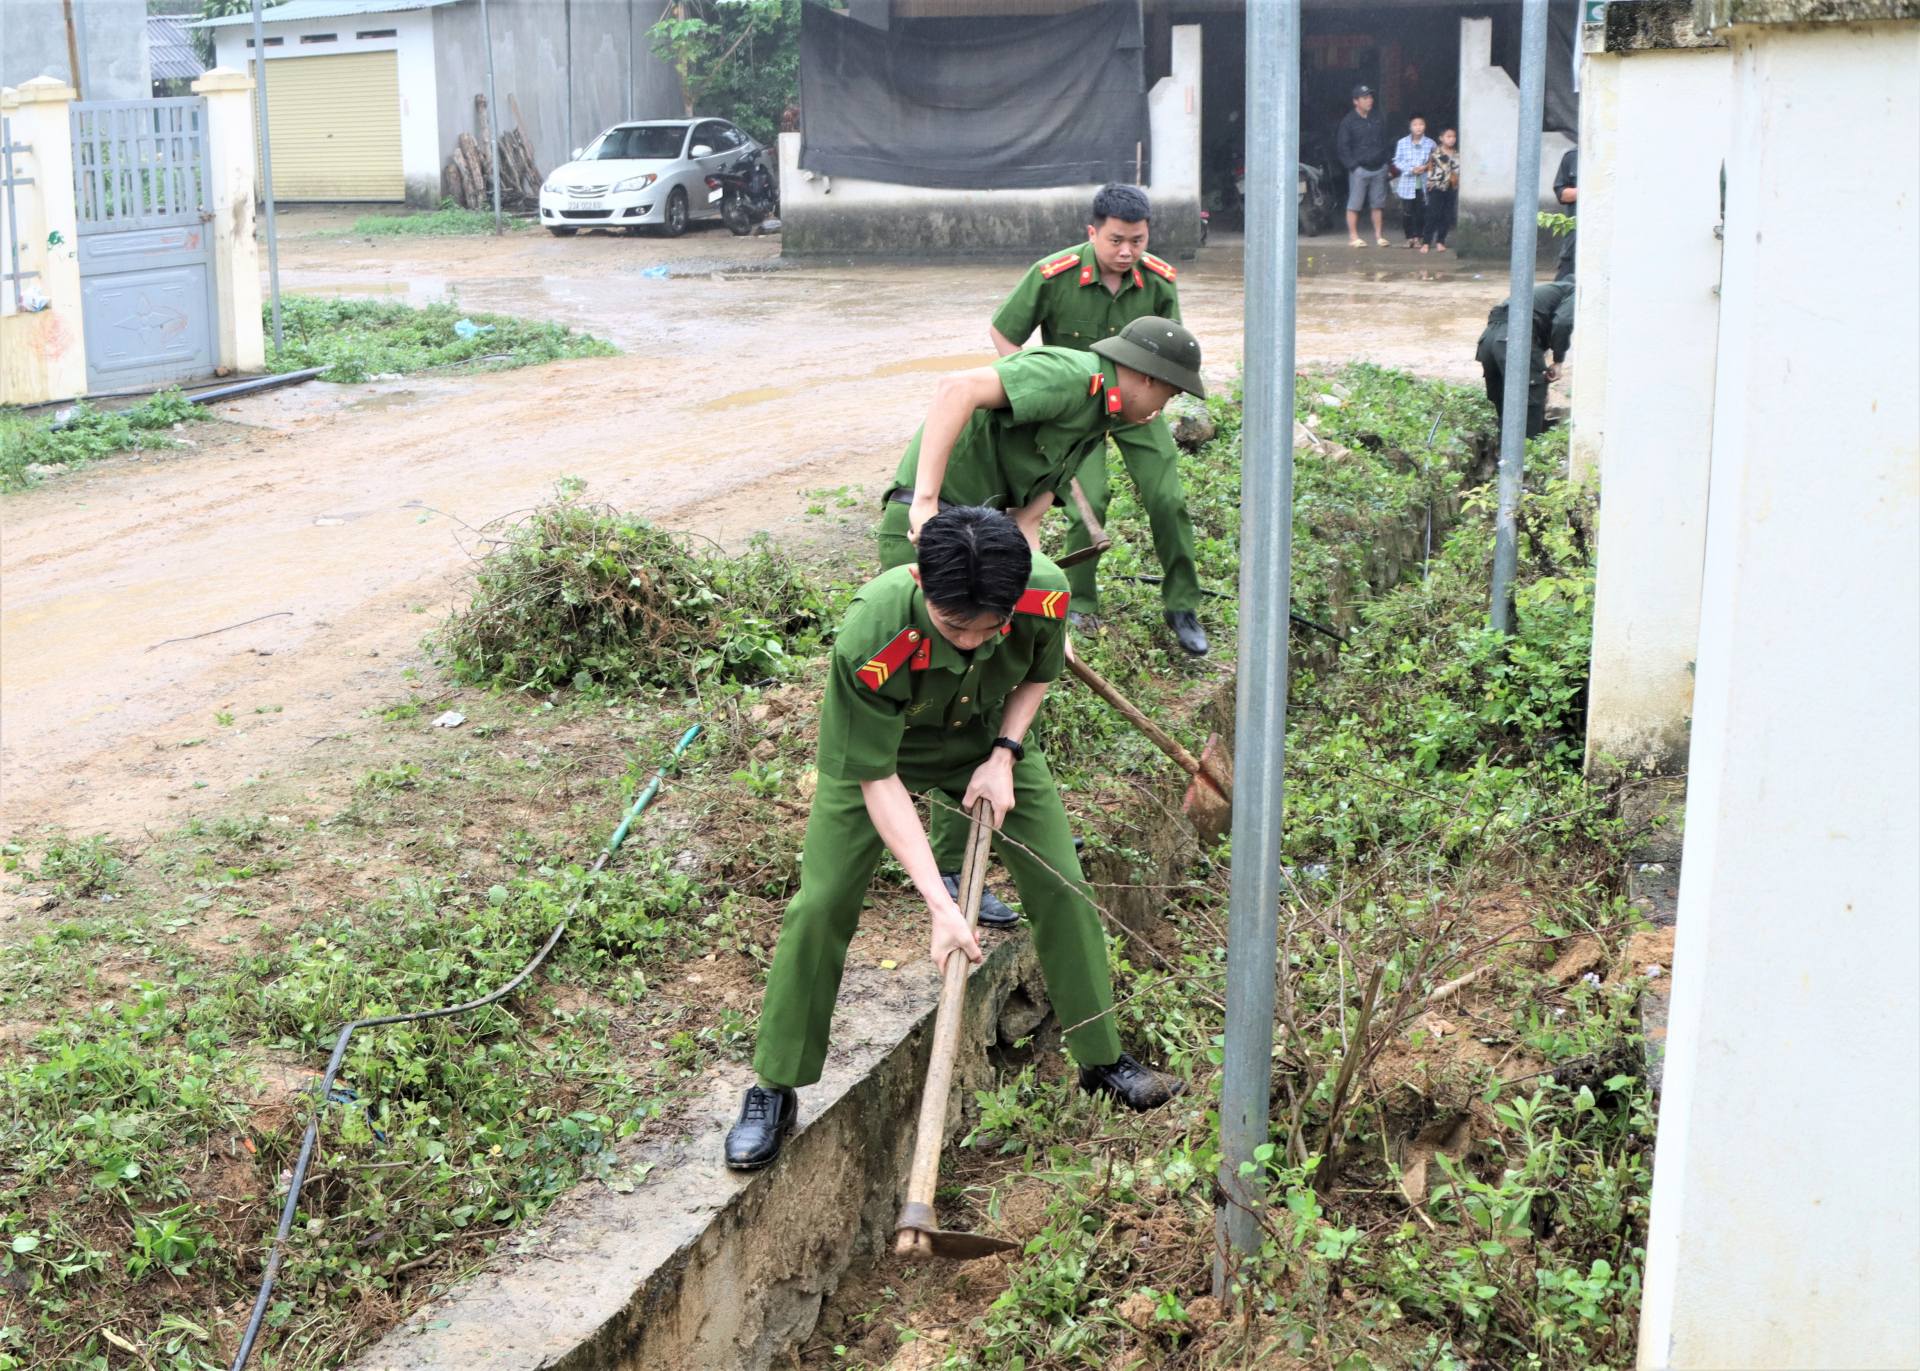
(1552, 333)
(1364, 148)
(1566, 190)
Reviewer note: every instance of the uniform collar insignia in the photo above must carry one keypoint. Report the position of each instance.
(1156, 266)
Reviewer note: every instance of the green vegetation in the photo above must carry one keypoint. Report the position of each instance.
(580, 594)
(738, 59)
(87, 433)
(1449, 1185)
(447, 221)
(356, 340)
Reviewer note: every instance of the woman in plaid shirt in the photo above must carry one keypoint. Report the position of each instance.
(1411, 158)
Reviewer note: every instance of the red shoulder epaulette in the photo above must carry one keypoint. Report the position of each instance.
(1158, 267)
(907, 643)
(1048, 604)
(1094, 383)
(1049, 270)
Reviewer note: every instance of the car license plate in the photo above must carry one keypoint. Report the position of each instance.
(713, 196)
(583, 204)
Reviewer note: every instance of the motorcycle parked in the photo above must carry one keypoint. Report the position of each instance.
(748, 195)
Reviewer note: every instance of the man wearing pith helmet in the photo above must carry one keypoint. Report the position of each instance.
(1076, 298)
(937, 674)
(1014, 435)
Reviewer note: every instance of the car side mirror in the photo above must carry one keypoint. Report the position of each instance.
(577, 152)
(701, 150)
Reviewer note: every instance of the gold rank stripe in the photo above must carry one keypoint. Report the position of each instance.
(1059, 264)
(1047, 604)
(1158, 267)
(887, 660)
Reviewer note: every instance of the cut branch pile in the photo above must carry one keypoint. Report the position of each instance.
(467, 178)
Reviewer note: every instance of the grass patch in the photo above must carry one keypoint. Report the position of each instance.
(34, 447)
(580, 594)
(356, 340)
(448, 221)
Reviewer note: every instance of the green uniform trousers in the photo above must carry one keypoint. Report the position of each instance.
(1153, 462)
(837, 862)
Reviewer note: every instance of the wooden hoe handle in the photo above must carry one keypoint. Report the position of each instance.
(1165, 741)
(917, 1214)
(1100, 542)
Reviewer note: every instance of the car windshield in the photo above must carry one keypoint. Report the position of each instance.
(639, 143)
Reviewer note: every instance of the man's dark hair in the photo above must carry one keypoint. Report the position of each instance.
(1126, 203)
(973, 562)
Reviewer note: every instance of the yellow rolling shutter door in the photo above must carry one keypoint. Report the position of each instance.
(336, 127)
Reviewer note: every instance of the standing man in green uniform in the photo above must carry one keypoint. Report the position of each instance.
(1076, 298)
(937, 673)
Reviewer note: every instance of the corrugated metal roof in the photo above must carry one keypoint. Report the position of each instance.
(293, 11)
(171, 48)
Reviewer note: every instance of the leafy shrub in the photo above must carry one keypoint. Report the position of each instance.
(580, 594)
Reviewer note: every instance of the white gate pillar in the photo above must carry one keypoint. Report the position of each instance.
(43, 353)
(236, 256)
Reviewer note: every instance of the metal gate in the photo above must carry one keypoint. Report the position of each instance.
(146, 273)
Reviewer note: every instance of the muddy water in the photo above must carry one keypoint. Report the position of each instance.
(353, 508)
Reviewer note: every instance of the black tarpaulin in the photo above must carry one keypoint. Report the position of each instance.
(975, 104)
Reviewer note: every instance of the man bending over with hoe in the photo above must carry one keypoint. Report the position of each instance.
(938, 672)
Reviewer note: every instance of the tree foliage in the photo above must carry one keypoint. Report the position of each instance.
(736, 59)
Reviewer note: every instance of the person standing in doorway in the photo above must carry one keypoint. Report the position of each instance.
(1566, 189)
(1412, 159)
(1443, 191)
(1364, 148)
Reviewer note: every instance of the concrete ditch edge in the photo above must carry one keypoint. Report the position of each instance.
(703, 1268)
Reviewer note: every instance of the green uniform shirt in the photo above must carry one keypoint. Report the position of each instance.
(1064, 297)
(1055, 417)
(880, 712)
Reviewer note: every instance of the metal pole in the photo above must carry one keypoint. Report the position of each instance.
(569, 66)
(493, 117)
(266, 172)
(73, 51)
(629, 61)
(1266, 546)
(1526, 236)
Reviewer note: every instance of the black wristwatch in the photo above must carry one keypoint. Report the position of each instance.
(1019, 752)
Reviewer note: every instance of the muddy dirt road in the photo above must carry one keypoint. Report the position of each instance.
(339, 509)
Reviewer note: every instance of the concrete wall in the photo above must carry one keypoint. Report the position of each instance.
(533, 66)
(1648, 267)
(43, 354)
(111, 36)
(1489, 126)
(1786, 1197)
(230, 201)
(845, 216)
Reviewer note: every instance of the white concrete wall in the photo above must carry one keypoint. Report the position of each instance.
(848, 215)
(420, 142)
(230, 197)
(43, 352)
(1786, 1197)
(1489, 131)
(110, 34)
(1648, 321)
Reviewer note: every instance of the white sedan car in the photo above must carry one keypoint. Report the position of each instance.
(652, 173)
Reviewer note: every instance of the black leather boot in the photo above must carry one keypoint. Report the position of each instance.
(1139, 1087)
(993, 914)
(1186, 627)
(766, 1117)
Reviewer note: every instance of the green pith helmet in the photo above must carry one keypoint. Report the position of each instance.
(1158, 348)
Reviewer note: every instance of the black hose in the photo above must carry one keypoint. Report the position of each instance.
(307, 1144)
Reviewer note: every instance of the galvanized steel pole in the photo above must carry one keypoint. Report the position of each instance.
(266, 171)
(1526, 237)
(493, 115)
(1266, 547)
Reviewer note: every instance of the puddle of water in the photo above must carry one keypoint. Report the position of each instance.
(750, 397)
(959, 363)
(391, 399)
(354, 288)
